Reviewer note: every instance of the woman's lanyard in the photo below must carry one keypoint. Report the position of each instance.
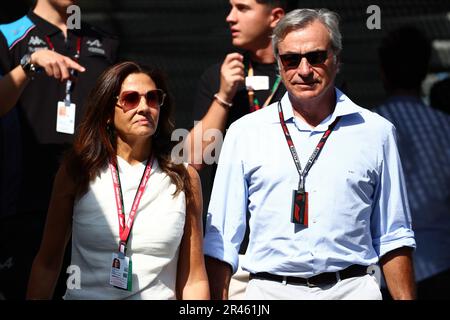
(252, 99)
(125, 228)
(299, 210)
(69, 84)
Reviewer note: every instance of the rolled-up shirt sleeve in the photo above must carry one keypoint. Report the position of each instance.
(391, 217)
(226, 217)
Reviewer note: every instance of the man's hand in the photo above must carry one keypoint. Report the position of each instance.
(55, 65)
(231, 75)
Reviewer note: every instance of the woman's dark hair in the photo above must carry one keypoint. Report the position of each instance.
(95, 141)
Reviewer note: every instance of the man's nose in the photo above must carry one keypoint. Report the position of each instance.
(231, 17)
(304, 68)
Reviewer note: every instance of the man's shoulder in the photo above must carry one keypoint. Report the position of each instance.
(363, 117)
(15, 31)
(258, 118)
(100, 41)
(375, 120)
(96, 31)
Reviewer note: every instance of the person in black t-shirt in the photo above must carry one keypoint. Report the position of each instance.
(244, 82)
(46, 72)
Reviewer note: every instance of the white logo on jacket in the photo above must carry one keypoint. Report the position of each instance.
(36, 41)
(95, 46)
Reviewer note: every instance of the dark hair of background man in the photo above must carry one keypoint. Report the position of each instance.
(404, 58)
(287, 5)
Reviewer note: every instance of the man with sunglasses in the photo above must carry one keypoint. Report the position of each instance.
(47, 69)
(246, 81)
(321, 178)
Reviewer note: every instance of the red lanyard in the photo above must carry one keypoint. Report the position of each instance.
(253, 101)
(69, 84)
(125, 228)
(52, 47)
(315, 154)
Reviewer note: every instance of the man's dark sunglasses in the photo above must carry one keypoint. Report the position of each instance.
(292, 60)
(130, 99)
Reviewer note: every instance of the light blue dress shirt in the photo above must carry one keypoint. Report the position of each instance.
(358, 210)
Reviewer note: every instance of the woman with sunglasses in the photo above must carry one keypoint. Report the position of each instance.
(120, 196)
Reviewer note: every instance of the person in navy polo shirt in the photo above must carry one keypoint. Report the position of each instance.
(46, 73)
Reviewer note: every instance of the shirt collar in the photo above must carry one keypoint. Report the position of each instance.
(43, 25)
(344, 106)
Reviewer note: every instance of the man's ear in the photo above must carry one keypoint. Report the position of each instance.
(337, 61)
(276, 15)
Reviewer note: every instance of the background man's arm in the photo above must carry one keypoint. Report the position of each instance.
(231, 76)
(54, 64)
(11, 87)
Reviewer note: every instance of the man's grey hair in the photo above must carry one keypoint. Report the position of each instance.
(300, 18)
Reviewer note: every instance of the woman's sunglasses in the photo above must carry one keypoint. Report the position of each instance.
(292, 60)
(129, 100)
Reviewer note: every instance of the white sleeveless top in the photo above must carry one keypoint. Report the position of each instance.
(154, 241)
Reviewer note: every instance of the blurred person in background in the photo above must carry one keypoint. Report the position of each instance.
(46, 72)
(440, 95)
(424, 147)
